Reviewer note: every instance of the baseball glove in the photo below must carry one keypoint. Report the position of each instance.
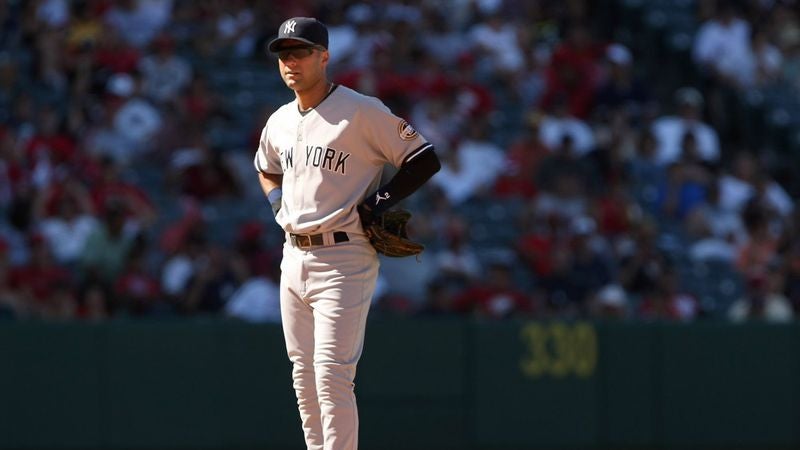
(389, 237)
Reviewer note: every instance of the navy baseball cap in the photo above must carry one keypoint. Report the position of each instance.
(305, 29)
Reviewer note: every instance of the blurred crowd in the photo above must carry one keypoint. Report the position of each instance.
(577, 182)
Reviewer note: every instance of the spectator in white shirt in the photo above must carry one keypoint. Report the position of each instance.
(498, 39)
(436, 117)
(457, 262)
(560, 124)
(256, 300)
(67, 231)
(669, 130)
(762, 64)
(343, 38)
(441, 39)
(236, 29)
(55, 13)
(715, 226)
(747, 180)
(139, 21)
(135, 119)
(472, 168)
(722, 44)
(164, 74)
(764, 300)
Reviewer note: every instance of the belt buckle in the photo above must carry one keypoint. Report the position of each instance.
(300, 240)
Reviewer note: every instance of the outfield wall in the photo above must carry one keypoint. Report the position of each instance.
(422, 384)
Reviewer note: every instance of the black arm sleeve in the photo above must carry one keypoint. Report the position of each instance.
(414, 172)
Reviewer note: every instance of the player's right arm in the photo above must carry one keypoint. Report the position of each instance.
(266, 162)
(271, 185)
(270, 181)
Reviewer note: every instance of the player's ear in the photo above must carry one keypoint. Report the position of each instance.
(325, 56)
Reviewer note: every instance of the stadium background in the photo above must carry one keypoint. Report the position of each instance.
(599, 273)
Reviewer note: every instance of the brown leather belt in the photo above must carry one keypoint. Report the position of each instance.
(311, 240)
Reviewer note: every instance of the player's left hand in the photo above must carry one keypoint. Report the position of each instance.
(388, 235)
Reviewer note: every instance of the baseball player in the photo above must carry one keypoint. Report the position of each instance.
(319, 160)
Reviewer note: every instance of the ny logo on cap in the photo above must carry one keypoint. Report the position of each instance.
(289, 27)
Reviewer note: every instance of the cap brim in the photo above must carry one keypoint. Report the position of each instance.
(273, 45)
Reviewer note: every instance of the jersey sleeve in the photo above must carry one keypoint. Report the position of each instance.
(266, 159)
(395, 140)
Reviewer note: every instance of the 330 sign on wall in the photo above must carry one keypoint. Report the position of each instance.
(559, 350)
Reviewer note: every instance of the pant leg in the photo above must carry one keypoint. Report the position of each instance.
(344, 283)
(297, 318)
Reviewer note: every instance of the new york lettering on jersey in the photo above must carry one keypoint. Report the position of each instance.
(327, 159)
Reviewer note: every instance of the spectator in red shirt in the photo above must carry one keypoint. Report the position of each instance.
(113, 55)
(112, 189)
(494, 297)
(13, 300)
(203, 173)
(94, 301)
(449, 100)
(669, 301)
(136, 290)
(380, 79)
(574, 72)
(522, 162)
(15, 178)
(199, 103)
(49, 200)
(249, 245)
(537, 243)
(50, 146)
(47, 286)
(613, 210)
(429, 78)
(471, 98)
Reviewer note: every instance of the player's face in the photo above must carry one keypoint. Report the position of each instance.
(302, 66)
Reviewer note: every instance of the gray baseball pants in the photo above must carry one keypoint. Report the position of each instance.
(325, 297)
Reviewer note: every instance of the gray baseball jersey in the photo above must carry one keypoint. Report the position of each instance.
(331, 157)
